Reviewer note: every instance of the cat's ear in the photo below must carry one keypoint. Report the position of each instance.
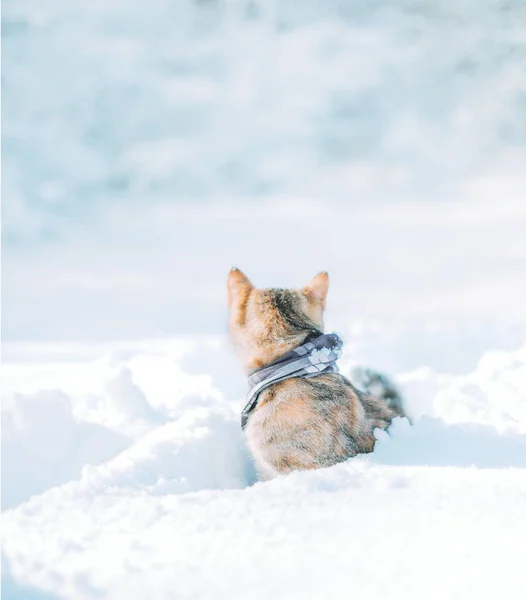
(238, 286)
(317, 288)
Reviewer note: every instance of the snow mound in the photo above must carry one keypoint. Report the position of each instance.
(163, 508)
(401, 532)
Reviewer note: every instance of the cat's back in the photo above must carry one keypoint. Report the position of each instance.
(306, 423)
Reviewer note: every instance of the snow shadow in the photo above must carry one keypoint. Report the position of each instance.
(432, 442)
(43, 445)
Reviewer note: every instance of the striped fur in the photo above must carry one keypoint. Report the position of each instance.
(298, 423)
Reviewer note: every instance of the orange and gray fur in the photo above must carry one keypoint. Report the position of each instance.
(299, 423)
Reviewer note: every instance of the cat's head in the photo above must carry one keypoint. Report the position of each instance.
(264, 324)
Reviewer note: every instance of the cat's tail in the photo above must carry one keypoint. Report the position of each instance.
(379, 386)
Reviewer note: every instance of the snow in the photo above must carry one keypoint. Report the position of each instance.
(401, 532)
(439, 507)
(149, 147)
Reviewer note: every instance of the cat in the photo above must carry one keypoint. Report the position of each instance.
(301, 423)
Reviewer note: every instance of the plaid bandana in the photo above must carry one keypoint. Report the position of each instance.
(317, 355)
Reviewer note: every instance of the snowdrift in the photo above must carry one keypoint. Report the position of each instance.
(127, 476)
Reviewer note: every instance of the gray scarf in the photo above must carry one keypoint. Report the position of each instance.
(317, 355)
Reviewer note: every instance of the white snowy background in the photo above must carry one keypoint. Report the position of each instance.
(150, 146)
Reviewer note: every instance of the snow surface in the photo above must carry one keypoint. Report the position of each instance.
(150, 146)
(154, 493)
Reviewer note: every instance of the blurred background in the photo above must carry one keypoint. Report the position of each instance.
(150, 146)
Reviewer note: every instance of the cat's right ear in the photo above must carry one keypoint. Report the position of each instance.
(238, 286)
(317, 288)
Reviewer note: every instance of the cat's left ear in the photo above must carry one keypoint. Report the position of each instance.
(317, 288)
(238, 286)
